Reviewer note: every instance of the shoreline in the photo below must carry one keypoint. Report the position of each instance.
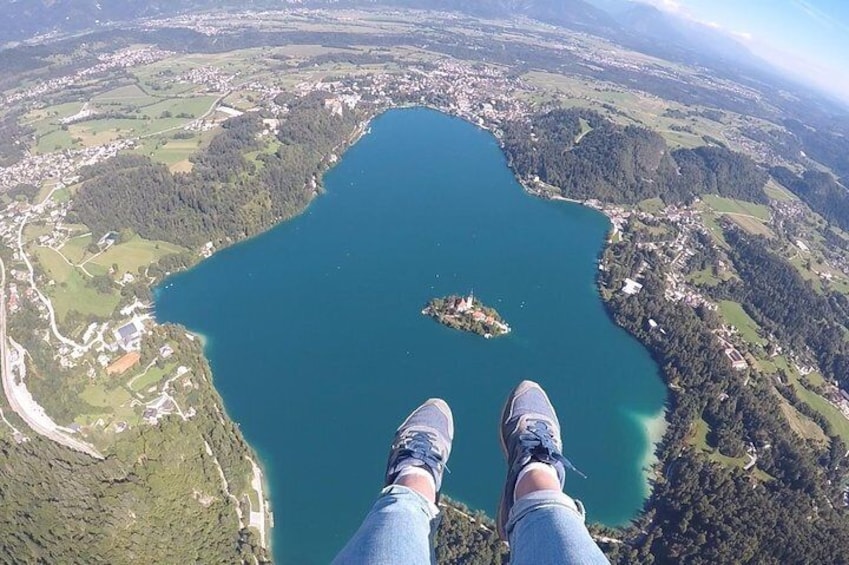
(654, 426)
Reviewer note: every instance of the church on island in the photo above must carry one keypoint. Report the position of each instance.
(468, 314)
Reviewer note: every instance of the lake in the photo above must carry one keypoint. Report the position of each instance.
(319, 349)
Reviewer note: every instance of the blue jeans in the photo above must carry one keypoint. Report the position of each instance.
(545, 528)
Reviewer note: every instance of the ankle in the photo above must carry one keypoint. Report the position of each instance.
(534, 477)
(418, 480)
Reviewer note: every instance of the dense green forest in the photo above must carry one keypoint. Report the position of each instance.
(825, 141)
(226, 196)
(12, 136)
(820, 191)
(623, 164)
(466, 537)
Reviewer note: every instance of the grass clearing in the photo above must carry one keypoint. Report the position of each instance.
(55, 140)
(193, 107)
(98, 395)
(735, 315)
(70, 290)
(733, 206)
(751, 225)
(33, 231)
(715, 229)
(130, 95)
(705, 277)
(815, 379)
(76, 248)
(839, 422)
(152, 376)
(778, 192)
(53, 264)
(135, 253)
(698, 439)
(803, 426)
(651, 205)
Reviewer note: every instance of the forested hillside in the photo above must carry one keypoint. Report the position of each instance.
(820, 191)
(588, 156)
(226, 196)
(776, 296)
(156, 498)
(701, 511)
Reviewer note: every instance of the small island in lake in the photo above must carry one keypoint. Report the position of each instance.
(468, 314)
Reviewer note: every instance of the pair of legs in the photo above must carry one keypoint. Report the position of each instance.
(543, 525)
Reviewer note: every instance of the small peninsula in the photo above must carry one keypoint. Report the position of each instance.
(467, 314)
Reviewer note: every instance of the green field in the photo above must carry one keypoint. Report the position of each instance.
(839, 422)
(651, 205)
(130, 95)
(734, 315)
(803, 426)
(98, 395)
(698, 438)
(153, 375)
(55, 140)
(751, 225)
(70, 290)
(732, 206)
(194, 107)
(778, 192)
(175, 152)
(132, 254)
(75, 249)
(715, 229)
(704, 277)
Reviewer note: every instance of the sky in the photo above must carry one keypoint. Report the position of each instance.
(808, 38)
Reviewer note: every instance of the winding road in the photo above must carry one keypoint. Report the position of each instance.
(23, 407)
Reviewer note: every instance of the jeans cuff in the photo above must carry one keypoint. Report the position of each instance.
(400, 492)
(543, 499)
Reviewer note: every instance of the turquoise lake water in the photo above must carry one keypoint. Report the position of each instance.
(319, 348)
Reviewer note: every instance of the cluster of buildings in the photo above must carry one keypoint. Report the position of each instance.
(57, 165)
(738, 362)
(481, 94)
(123, 58)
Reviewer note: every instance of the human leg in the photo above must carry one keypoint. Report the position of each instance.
(543, 525)
(400, 524)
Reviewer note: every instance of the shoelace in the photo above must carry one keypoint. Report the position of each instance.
(419, 445)
(538, 442)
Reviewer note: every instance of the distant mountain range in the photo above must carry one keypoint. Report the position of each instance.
(631, 23)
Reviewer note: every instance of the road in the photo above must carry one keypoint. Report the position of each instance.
(257, 516)
(13, 391)
(52, 315)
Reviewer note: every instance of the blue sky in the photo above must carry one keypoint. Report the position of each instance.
(809, 38)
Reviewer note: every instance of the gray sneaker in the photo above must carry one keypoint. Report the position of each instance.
(530, 432)
(423, 440)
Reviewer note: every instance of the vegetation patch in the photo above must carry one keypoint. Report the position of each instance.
(751, 225)
(134, 254)
(735, 315)
(72, 290)
(801, 424)
(735, 206)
